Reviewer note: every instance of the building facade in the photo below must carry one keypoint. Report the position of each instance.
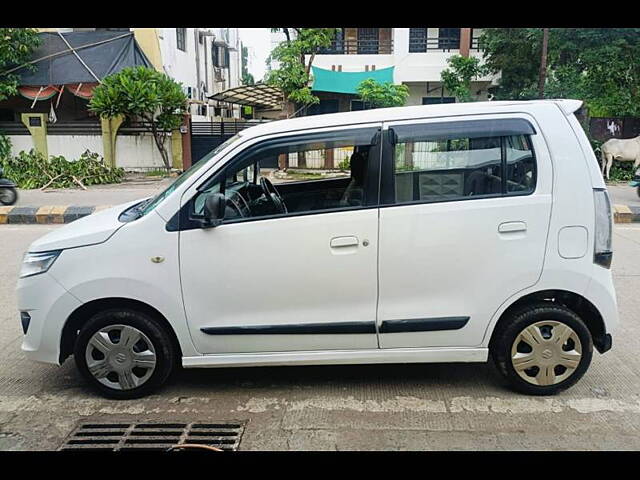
(205, 60)
(414, 57)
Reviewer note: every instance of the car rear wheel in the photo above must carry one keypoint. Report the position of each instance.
(124, 354)
(542, 349)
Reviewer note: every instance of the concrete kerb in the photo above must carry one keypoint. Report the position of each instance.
(47, 214)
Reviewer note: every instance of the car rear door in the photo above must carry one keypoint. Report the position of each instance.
(465, 206)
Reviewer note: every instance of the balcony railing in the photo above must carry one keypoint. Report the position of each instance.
(446, 44)
(358, 47)
(417, 45)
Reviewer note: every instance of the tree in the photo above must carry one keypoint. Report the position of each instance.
(247, 78)
(293, 72)
(457, 78)
(146, 94)
(382, 94)
(512, 52)
(543, 62)
(598, 65)
(16, 47)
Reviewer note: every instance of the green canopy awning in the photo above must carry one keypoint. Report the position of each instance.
(346, 82)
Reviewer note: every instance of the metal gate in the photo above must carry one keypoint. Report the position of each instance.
(205, 136)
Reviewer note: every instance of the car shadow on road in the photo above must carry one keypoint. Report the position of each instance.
(389, 376)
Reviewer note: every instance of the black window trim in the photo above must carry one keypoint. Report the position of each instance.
(181, 39)
(463, 128)
(184, 220)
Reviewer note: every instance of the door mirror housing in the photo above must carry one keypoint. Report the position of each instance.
(215, 205)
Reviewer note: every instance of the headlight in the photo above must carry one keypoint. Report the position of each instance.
(35, 263)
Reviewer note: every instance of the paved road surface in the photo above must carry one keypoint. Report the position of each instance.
(94, 195)
(623, 194)
(377, 407)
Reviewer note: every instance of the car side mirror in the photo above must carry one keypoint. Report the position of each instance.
(215, 205)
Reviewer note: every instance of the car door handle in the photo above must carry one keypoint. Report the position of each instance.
(509, 227)
(339, 242)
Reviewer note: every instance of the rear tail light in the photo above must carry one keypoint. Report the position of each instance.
(602, 253)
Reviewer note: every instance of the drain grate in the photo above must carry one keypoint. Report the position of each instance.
(153, 436)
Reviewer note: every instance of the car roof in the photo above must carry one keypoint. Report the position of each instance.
(400, 113)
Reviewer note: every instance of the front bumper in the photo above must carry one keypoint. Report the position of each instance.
(603, 343)
(48, 305)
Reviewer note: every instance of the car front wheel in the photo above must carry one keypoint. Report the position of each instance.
(124, 354)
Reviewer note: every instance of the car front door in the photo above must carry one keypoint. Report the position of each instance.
(273, 281)
(465, 207)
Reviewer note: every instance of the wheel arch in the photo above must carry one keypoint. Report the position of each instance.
(577, 303)
(81, 314)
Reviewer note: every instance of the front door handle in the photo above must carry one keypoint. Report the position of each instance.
(339, 242)
(509, 227)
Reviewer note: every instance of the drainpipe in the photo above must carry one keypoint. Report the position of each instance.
(195, 34)
(206, 57)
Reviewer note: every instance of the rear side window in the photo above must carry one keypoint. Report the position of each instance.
(457, 160)
(521, 164)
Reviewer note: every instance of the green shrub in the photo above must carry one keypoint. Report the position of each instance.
(33, 170)
(344, 164)
(5, 146)
(158, 172)
(621, 171)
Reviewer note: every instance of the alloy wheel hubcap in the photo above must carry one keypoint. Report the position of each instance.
(546, 353)
(120, 357)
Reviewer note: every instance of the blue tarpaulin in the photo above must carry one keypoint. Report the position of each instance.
(346, 82)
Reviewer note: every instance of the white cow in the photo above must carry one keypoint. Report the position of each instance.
(623, 150)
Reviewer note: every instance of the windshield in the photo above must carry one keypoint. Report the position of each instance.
(148, 205)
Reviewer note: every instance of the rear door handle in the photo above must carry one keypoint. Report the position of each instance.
(508, 227)
(339, 242)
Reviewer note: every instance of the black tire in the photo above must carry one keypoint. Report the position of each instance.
(8, 195)
(166, 358)
(638, 191)
(516, 322)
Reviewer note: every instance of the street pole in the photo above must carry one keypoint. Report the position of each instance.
(543, 62)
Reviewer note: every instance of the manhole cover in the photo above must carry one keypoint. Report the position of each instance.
(153, 436)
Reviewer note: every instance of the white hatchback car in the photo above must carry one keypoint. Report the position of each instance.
(448, 233)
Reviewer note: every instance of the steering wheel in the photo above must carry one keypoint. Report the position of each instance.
(272, 195)
(237, 207)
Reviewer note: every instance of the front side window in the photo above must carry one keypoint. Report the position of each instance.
(317, 172)
(149, 205)
(447, 166)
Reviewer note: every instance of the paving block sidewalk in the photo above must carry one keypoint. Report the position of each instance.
(47, 214)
